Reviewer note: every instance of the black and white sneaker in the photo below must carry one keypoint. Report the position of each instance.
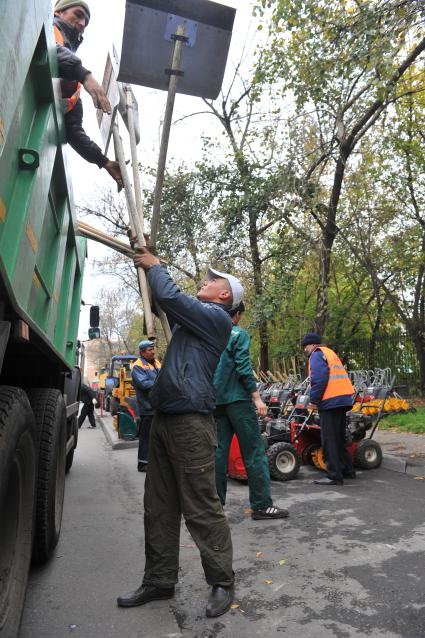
(269, 513)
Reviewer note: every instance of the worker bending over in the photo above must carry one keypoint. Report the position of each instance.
(333, 393)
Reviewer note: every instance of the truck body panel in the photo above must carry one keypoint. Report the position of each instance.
(41, 258)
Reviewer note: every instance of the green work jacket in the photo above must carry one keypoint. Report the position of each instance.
(233, 378)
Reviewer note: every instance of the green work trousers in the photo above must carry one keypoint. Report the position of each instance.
(240, 418)
(180, 480)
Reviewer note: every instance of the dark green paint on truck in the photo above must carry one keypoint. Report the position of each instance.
(41, 270)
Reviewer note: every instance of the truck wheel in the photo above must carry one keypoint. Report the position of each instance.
(284, 461)
(50, 417)
(18, 467)
(114, 406)
(368, 454)
(74, 431)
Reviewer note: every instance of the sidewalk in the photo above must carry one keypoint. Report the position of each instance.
(403, 452)
(106, 423)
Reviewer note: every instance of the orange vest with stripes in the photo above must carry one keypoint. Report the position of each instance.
(67, 102)
(338, 383)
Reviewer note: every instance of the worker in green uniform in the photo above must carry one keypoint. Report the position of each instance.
(238, 404)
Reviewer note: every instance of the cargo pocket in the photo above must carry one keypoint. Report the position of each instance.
(199, 467)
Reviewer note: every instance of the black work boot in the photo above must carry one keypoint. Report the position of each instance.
(219, 600)
(269, 513)
(329, 481)
(145, 594)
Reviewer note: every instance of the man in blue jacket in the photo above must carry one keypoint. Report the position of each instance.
(238, 403)
(180, 477)
(333, 393)
(144, 373)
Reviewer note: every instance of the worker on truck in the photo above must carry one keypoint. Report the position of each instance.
(333, 393)
(71, 19)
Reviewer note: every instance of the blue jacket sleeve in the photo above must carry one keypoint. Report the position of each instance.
(199, 318)
(242, 361)
(141, 378)
(319, 375)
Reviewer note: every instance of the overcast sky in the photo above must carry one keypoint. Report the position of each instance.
(105, 29)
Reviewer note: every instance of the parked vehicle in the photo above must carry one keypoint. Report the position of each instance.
(41, 272)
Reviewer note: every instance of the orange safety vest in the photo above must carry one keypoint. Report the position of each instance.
(67, 102)
(146, 365)
(338, 383)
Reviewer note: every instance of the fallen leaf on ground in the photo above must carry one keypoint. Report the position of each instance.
(258, 554)
(234, 606)
(268, 581)
(248, 510)
(419, 478)
(282, 562)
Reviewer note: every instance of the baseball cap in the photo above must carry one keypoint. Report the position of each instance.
(146, 344)
(235, 285)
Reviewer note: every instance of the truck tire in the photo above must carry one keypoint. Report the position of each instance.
(114, 406)
(368, 454)
(284, 461)
(73, 430)
(50, 417)
(18, 476)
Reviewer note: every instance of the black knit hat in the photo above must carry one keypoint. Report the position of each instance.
(310, 339)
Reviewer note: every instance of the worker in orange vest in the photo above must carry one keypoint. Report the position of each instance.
(333, 394)
(71, 19)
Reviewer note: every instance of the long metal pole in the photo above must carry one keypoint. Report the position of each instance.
(136, 229)
(138, 197)
(172, 89)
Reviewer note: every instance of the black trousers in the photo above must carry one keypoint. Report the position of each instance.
(180, 480)
(144, 434)
(332, 433)
(87, 411)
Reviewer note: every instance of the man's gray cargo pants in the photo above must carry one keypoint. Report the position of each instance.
(181, 480)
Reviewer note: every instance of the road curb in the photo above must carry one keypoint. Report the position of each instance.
(113, 440)
(403, 466)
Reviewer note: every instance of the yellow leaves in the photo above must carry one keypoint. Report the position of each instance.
(258, 554)
(350, 7)
(282, 562)
(268, 581)
(234, 606)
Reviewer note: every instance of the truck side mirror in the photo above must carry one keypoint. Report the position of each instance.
(94, 317)
(94, 333)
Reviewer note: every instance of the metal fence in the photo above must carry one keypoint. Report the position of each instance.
(395, 351)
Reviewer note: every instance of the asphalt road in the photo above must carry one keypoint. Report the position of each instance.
(348, 563)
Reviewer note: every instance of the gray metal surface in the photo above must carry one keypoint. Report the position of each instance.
(147, 46)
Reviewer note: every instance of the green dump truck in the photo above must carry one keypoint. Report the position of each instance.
(41, 269)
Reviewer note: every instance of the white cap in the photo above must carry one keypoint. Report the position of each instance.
(235, 285)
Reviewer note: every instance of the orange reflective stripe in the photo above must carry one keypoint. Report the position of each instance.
(338, 383)
(70, 102)
(58, 36)
(147, 366)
